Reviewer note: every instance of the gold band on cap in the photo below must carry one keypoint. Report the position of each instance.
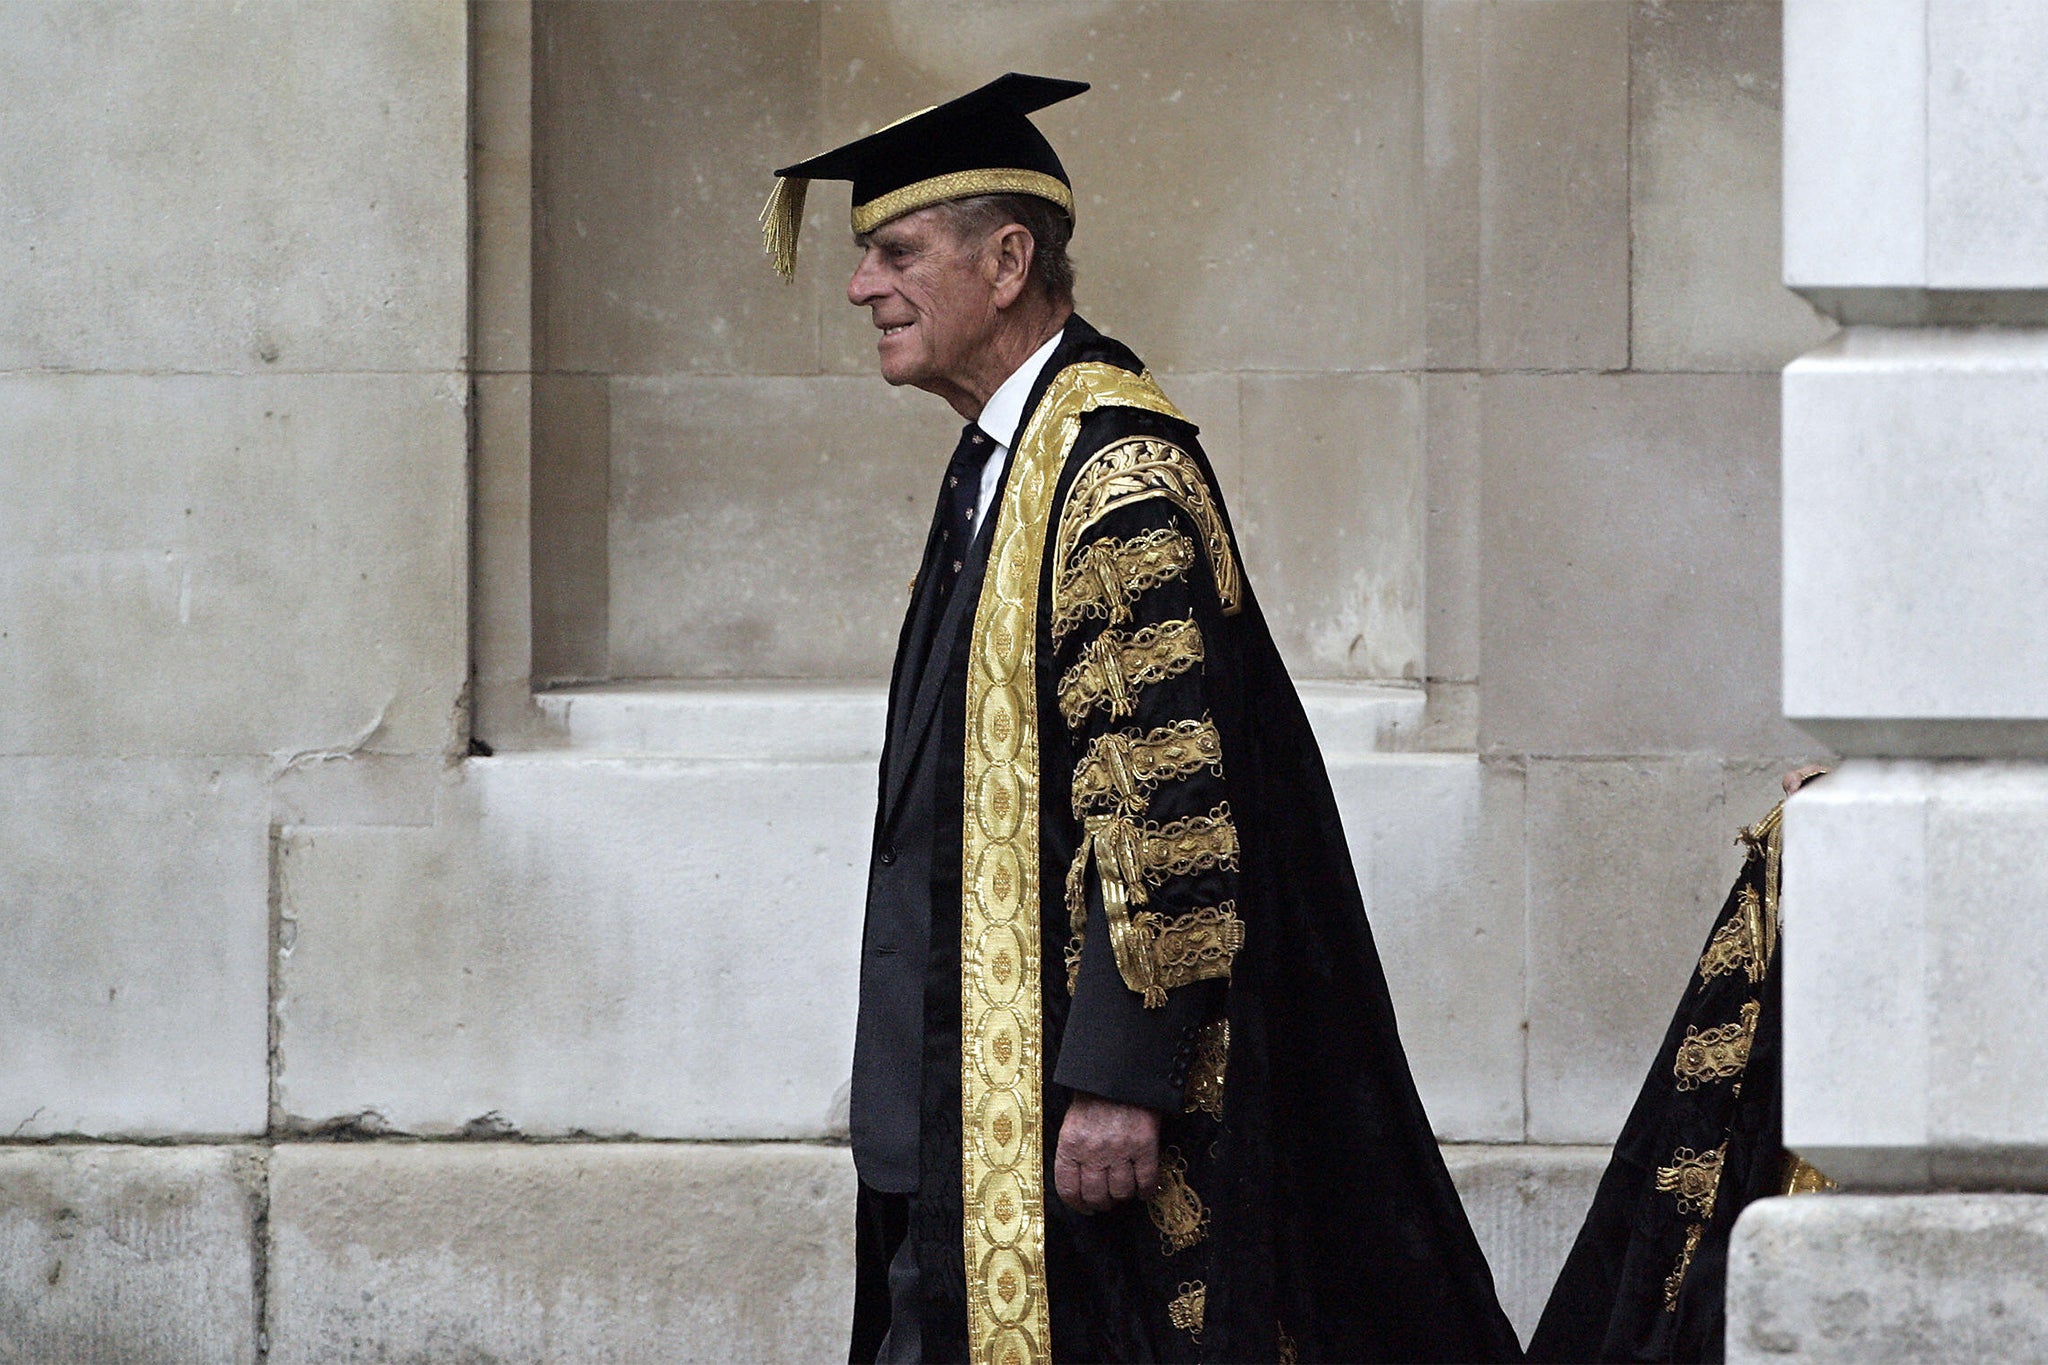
(959, 185)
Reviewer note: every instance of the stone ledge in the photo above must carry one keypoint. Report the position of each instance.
(1869, 1280)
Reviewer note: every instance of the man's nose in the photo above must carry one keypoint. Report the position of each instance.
(865, 287)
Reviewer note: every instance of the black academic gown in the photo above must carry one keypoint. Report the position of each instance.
(1209, 957)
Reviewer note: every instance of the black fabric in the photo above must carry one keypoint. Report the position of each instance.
(981, 130)
(1629, 1291)
(1333, 1223)
(961, 489)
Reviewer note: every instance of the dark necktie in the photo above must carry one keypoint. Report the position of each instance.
(962, 489)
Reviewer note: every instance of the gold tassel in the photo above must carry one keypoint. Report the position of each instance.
(782, 217)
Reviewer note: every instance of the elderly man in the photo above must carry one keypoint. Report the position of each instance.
(1114, 945)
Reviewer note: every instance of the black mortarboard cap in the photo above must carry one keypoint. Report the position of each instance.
(980, 143)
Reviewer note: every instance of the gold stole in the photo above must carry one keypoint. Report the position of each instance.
(1002, 1160)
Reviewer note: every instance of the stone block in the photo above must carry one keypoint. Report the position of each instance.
(501, 103)
(767, 527)
(501, 534)
(310, 214)
(1451, 480)
(310, 529)
(1874, 1280)
(1553, 186)
(1453, 55)
(1331, 520)
(1915, 486)
(652, 947)
(128, 1255)
(1855, 167)
(1436, 841)
(1526, 1204)
(1987, 145)
(1704, 185)
(656, 126)
(137, 911)
(1628, 863)
(559, 1253)
(1913, 896)
(1630, 566)
(1248, 192)
(570, 527)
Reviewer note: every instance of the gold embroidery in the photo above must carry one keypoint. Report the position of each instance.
(1121, 766)
(1072, 953)
(1693, 1179)
(1675, 1281)
(1205, 1075)
(1197, 946)
(1130, 471)
(1766, 838)
(1738, 944)
(1716, 1054)
(1108, 575)
(1185, 1311)
(1175, 1207)
(1285, 1350)
(1129, 856)
(1802, 1178)
(1113, 666)
(959, 185)
(1002, 1124)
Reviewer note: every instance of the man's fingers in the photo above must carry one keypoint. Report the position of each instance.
(1095, 1190)
(1148, 1170)
(1123, 1180)
(1066, 1178)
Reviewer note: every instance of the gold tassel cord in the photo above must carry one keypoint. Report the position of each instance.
(782, 217)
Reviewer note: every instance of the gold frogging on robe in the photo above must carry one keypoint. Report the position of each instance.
(1138, 469)
(1176, 1210)
(1716, 1054)
(1002, 1017)
(1122, 766)
(1113, 666)
(1693, 1179)
(1108, 575)
(1153, 953)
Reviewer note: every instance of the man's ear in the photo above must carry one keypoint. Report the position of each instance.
(1009, 257)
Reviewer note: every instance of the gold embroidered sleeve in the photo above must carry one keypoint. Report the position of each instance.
(1114, 667)
(1107, 575)
(1157, 952)
(1122, 767)
(1135, 470)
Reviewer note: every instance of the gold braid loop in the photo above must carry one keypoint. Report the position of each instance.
(1177, 1211)
(1122, 766)
(1693, 1179)
(1716, 1054)
(1108, 575)
(1128, 857)
(1113, 666)
(1134, 470)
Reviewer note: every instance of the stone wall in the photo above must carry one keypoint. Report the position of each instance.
(427, 383)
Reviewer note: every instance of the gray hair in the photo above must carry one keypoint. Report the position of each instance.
(1050, 228)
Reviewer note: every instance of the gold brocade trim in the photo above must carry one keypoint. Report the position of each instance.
(1129, 856)
(1693, 1179)
(1120, 767)
(1133, 470)
(1767, 838)
(1002, 1012)
(1197, 946)
(1176, 1209)
(1716, 1054)
(1113, 666)
(1108, 575)
(960, 185)
(1185, 1311)
(1205, 1075)
(1675, 1281)
(1801, 1177)
(1738, 944)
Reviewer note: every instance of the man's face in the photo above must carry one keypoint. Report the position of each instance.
(930, 295)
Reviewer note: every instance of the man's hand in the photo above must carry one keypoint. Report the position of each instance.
(1799, 777)
(1107, 1152)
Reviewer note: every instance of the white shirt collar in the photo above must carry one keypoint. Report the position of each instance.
(1004, 410)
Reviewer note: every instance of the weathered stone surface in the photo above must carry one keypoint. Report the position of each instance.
(307, 215)
(559, 1253)
(1526, 1204)
(1453, 37)
(1332, 520)
(1913, 896)
(1704, 185)
(582, 945)
(1436, 841)
(128, 1255)
(657, 125)
(136, 913)
(210, 564)
(571, 525)
(501, 103)
(1553, 186)
(1916, 482)
(1987, 145)
(1873, 1280)
(1196, 241)
(1629, 566)
(1628, 862)
(1452, 538)
(721, 521)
